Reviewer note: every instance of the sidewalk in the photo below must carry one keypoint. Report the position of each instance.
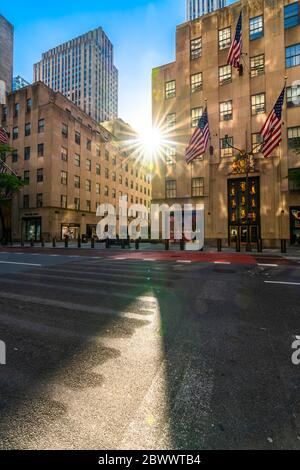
(292, 252)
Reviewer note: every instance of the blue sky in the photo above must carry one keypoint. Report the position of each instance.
(142, 31)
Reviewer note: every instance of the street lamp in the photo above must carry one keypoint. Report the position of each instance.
(246, 156)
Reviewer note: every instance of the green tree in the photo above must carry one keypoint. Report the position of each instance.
(9, 184)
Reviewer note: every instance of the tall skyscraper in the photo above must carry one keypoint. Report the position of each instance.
(197, 8)
(83, 70)
(6, 56)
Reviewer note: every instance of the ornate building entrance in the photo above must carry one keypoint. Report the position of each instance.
(243, 210)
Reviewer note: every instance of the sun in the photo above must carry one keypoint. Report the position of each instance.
(151, 142)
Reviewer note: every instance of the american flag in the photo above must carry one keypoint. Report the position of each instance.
(199, 139)
(271, 131)
(3, 136)
(235, 52)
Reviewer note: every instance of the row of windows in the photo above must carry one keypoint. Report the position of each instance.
(293, 134)
(257, 68)
(197, 188)
(256, 30)
(27, 129)
(77, 201)
(258, 106)
(88, 183)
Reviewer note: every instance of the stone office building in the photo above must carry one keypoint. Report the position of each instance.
(238, 104)
(71, 164)
(6, 57)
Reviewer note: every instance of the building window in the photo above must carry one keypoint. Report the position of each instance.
(39, 175)
(294, 179)
(26, 201)
(4, 113)
(224, 38)
(292, 56)
(293, 137)
(226, 111)
(28, 105)
(98, 151)
(293, 96)
(98, 188)
(63, 201)
(64, 177)
(257, 65)
(114, 176)
(14, 156)
(291, 15)
(27, 153)
(106, 191)
(107, 155)
(77, 160)
(197, 187)
(258, 104)
(113, 193)
(88, 165)
(256, 27)
(98, 169)
(77, 182)
(196, 48)
(41, 126)
(170, 89)
(27, 129)
(88, 206)
(16, 110)
(64, 154)
(39, 200)
(77, 138)
(170, 155)
(64, 130)
(171, 189)
(26, 176)
(40, 150)
(106, 173)
(15, 133)
(171, 121)
(89, 144)
(196, 114)
(126, 182)
(225, 74)
(88, 185)
(114, 160)
(77, 203)
(120, 179)
(256, 143)
(225, 146)
(196, 82)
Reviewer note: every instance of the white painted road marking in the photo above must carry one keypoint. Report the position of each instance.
(222, 262)
(22, 264)
(265, 265)
(283, 283)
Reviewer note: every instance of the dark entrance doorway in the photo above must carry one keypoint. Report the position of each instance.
(244, 210)
(295, 225)
(32, 229)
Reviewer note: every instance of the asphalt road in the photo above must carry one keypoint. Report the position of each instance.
(111, 353)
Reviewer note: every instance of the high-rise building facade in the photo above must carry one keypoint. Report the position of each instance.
(83, 70)
(238, 102)
(19, 82)
(197, 8)
(71, 164)
(6, 56)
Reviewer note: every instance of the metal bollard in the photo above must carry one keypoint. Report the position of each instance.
(66, 242)
(283, 246)
(219, 243)
(43, 242)
(123, 244)
(92, 242)
(238, 245)
(107, 243)
(259, 245)
(31, 243)
(54, 242)
(167, 245)
(22, 242)
(137, 244)
(182, 244)
(79, 242)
